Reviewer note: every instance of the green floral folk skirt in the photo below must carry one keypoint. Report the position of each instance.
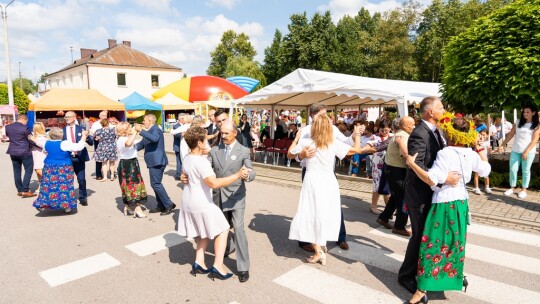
(442, 250)
(131, 182)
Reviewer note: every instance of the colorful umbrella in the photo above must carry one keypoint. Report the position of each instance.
(202, 88)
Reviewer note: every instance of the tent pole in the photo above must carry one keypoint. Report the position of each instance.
(272, 117)
(307, 115)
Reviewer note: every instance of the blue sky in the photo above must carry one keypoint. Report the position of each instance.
(179, 32)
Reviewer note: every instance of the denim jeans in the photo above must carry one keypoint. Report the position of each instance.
(22, 184)
(515, 162)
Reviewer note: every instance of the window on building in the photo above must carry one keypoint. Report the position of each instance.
(155, 80)
(121, 79)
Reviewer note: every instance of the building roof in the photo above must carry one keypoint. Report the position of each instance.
(120, 55)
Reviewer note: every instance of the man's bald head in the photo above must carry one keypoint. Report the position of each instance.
(407, 124)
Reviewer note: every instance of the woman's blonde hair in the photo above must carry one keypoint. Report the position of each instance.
(123, 128)
(321, 131)
(39, 129)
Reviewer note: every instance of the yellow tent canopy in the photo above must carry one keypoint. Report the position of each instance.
(75, 99)
(172, 102)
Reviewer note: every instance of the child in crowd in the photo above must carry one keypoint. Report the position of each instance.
(483, 140)
(357, 158)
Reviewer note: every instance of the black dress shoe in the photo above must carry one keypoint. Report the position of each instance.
(168, 210)
(243, 276)
(156, 210)
(83, 202)
(410, 285)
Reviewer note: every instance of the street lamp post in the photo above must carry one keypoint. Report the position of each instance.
(3, 11)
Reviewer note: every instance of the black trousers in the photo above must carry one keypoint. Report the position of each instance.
(418, 216)
(98, 164)
(19, 162)
(342, 232)
(396, 181)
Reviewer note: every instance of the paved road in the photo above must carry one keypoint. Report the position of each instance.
(97, 255)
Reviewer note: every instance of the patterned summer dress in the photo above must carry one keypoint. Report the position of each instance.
(106, 150)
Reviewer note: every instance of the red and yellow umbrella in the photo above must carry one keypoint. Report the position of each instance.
(202, 88)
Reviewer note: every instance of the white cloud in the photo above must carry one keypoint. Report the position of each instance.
(229, 4)
(155, 5)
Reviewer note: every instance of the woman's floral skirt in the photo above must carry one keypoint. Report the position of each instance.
(56, 187)
(442, 250)
(131, 182)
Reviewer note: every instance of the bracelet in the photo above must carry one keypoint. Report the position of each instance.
(480, 150)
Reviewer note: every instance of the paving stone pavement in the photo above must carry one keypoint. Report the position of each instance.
(493, 209)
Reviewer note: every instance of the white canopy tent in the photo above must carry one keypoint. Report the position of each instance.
(302, 88)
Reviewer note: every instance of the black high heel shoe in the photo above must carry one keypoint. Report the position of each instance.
(215, 272)
(465, 284)
(196, 268)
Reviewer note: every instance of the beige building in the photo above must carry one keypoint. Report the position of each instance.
(115, 72)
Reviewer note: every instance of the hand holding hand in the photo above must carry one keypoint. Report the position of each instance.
(138, 127)
(85, 133)
(500, 149)
(359, 129)
(243, 173)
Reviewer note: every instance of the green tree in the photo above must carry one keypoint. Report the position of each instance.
(19, 98)
(495, 64)
(242, 66)
(441, 21)
(231, 45)
(273, 67)
(355, 47)
(394, 58)
(310, 44)
(28, 85)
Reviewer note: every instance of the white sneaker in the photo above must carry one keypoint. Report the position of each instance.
(509, 192)
(68, 210)
(522, 194)
(477, 191)
(488, 190)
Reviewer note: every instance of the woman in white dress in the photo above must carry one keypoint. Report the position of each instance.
(199, 217)
(318, 217)
(38, 156)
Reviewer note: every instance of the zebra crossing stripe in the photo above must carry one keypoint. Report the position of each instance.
(156, 244)
(505, 234)
(479, 288)
(328, 288)
(75, 270)
(486, 255)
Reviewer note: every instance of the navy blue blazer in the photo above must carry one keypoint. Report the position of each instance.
(19, 144)
(177, 138)
(153, 144)
(83, 154)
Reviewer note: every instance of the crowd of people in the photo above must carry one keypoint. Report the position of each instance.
(420, 167)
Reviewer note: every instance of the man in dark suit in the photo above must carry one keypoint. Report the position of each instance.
(228, 158)
(153, 144)
(221, 116)
(177, 138)
(281, 128)
(73, 133)
(19, 150)
(426, 140)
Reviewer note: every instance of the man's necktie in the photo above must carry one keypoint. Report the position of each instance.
(72, 135)
(439, 138)
(227, 152)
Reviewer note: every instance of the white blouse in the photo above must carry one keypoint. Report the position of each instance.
(123, 151)
(455, 159)
(522, 138)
